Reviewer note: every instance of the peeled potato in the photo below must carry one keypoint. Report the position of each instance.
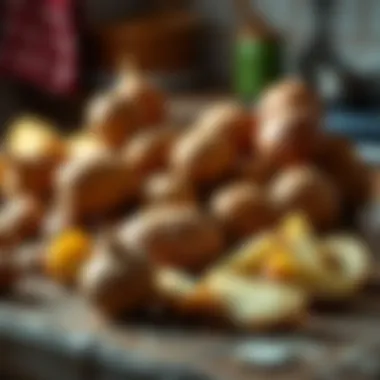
(35, 150)
(247, 259)
(307, 190)
(349, 269)
(243, 209)
(289, 94)
(66, 255)
(228, 120)
(287, 138)
(332, 268)
(116, 280)
(251, 304)
(93, 187)
(168, 188)
(203, 158)
(174, 235)
(111, 118)
(149, 151)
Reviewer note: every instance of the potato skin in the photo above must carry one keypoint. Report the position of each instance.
(289, 94)
(174, 235)
(339, 160)
(94, 187)
(115, 280)
(243, 209)
(287, 139)
(203, 158)
(150, 104)
(166, 188)
(253, 169)
(112, 118)
(149, 151)
(307, 190)
(228, 120)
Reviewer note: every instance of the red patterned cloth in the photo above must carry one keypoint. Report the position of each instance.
(40, 44)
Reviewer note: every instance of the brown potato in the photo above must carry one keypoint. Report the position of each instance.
(337, 157)
(243, 209)
(116, 280)
(253, 169)
(149, 151)
(34, 150)
(93, 187)
(147, 100)
(289, 94)
(175, 235)
(112, 118)
(203, 158)
(307, 190)
(287, 138)
(228, 120)
(20, 218)
(168, 188)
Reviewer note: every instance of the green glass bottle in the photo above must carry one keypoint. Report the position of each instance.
(257, 54)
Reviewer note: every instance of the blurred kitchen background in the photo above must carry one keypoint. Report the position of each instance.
(193, 47)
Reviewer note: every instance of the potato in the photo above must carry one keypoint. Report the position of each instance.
(94, 187)
(307, 190)
(66, 254)
(250, 304)
(149, 151)
(243, 209)
(247, 259)
(286, 139)
(289, 94)
(116, 280)
(82, 145)
(20, 218)
(338, 158)
(148, 101)
(35, 150)
(112, 118)
(330, 268)
(174, 235)
(168, 188)
(228, 120)
(203, 158)
(347, 267)
(172, 288)
(253, 169)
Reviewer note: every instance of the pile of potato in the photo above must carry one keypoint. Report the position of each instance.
(220, 220)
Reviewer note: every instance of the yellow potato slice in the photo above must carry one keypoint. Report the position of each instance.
(251, 304)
